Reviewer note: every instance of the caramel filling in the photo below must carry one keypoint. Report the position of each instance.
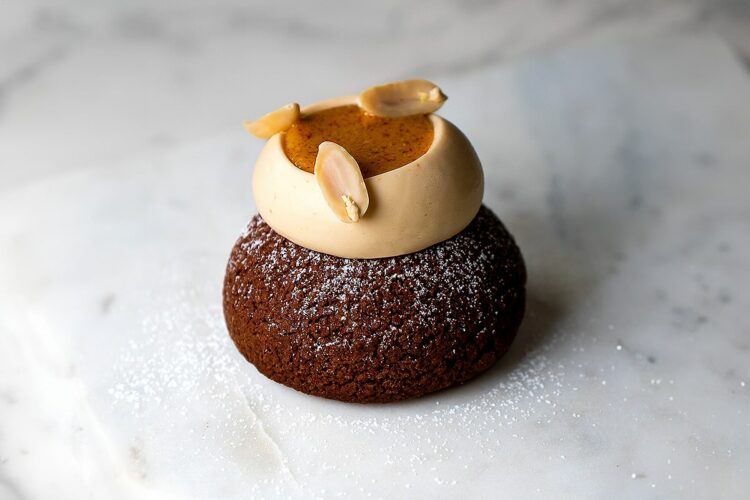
(378, 144)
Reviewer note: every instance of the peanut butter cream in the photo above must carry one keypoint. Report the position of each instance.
(410, 208)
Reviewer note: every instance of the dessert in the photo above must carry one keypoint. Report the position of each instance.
(372, 272)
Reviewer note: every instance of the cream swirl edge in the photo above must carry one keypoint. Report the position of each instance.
(411, 208)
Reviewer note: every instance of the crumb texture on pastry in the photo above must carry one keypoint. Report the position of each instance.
(376, 330)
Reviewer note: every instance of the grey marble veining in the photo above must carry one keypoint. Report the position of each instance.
(85, 84)
(622, 170)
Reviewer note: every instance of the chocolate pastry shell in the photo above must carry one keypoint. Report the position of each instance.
(375, 330)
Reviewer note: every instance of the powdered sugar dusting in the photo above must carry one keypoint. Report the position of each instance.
(205, 409)
(214, 413)
(419, 322)
(354, 278)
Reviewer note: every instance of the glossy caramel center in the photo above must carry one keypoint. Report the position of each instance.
(378, 144)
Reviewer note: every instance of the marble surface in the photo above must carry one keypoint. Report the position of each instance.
(97, 82)
(620, 166)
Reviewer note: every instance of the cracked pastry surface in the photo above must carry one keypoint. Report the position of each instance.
(375, 330)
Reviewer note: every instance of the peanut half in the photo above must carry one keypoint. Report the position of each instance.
(274, 122)
(404, 98)
(341, 182)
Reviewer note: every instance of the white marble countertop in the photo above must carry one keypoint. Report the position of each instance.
(614, 139)
(97, 82)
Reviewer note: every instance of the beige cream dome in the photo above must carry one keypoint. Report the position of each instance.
(410, 208)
